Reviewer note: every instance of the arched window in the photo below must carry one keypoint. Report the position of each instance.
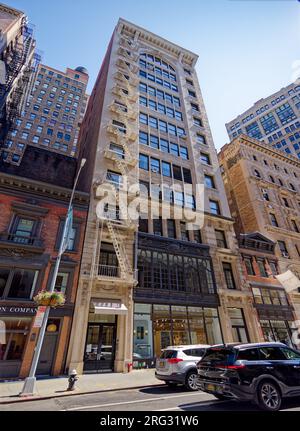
(256, 173)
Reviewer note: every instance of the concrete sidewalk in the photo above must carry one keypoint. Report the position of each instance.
(88, 383)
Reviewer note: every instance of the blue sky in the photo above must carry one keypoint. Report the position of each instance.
(246, 48)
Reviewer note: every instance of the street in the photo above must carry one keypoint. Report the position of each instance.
(159, 398)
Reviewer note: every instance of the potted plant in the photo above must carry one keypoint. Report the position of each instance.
(42, 298)
(48, 299)
(57, 299)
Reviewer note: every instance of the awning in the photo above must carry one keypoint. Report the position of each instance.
(109, 307)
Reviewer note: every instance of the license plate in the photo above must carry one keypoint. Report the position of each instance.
(211, 387)
(161, 364)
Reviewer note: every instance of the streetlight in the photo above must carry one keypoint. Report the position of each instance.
(29, 384)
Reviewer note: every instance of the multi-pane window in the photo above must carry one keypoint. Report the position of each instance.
(249, 265)
(183, 232)
(200, 139)
(221, 239)
(269, 123)
(209, 181)
(283, 249)
(228, 276)
(262, 269)
(23, 230)
(171, 228)
(144, 162)
(157, 227)
(273, 220)
(155, 165)
(214, 207)
(166, 169)
(62, 282)
(270, 296)
(285, 113)
(253, 130)
(17, 283)
(205, 158)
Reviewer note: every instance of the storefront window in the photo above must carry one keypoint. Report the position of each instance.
(212, 324)
(12, 342)
(142, 332)
(277, 330)
(159, 326)
(180, 326)
(197, 327)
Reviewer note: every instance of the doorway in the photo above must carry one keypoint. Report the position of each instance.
(100, 348)
(47, 356)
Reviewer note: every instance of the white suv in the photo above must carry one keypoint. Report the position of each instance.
(177, 365)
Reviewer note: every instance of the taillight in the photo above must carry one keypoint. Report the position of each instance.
(174, 360)
(231, 367)
(236, 367)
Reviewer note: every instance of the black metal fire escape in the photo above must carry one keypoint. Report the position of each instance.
(20, 64)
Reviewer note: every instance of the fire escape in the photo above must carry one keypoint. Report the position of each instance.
(123, 136)
(20, 64)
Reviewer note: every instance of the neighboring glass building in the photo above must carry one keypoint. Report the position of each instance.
(274, 120)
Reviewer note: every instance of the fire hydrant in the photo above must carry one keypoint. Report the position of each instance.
(72, 380)
(129, 367)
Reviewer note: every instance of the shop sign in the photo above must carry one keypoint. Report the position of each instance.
(17, 310)
(39, 317)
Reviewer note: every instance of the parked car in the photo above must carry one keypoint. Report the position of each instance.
(178, 365)
(263, 373)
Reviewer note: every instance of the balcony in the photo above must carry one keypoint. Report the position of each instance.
(21, 242)
(123, 111)
(128, 54)
(127, 67)
(128, 83)
(119, 91)
(127, 43)
(108, 271)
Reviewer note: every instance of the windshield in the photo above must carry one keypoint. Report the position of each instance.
(219, 356)
(168, 354)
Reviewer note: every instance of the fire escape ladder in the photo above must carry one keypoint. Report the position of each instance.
(120, 250)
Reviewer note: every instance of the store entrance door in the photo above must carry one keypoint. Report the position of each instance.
(100, 348)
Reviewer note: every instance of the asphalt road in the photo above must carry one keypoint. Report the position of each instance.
(159, 398)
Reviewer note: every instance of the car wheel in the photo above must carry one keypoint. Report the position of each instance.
(171, 384)
(191, 381)
(269, 396)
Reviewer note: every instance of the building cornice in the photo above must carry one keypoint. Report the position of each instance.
(159, 42)
(21, 185)
(257, 145)
(10, 10)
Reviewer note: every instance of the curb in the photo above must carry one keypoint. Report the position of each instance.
(48, 397)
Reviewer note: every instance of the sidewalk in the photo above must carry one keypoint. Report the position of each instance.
(88, 383)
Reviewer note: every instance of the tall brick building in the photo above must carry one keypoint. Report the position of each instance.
(147, 285)
(33, 204)
(263, 191)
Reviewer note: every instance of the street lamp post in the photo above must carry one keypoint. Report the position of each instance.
(30, 381)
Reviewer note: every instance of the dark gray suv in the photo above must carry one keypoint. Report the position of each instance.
(263, 373)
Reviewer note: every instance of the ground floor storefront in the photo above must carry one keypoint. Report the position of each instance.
(19, 328)
(158, 326)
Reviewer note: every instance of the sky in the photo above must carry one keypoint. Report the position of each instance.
(248, 49)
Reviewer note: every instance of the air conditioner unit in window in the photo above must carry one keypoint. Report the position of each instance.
(285, 254)
(155, 170)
